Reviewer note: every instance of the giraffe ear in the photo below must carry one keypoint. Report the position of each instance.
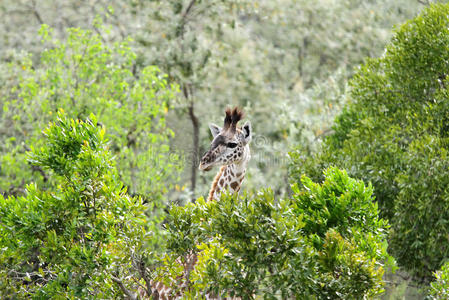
(247, 132)
(214, 129)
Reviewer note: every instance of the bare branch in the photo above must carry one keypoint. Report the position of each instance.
(192, 2)
(184, 17)
(36, 13)
(423, 2)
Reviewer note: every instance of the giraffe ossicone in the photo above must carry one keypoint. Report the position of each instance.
(230, 150)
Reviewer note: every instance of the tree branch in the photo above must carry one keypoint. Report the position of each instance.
(36, 13)
(424, 2)
(127, 292)
(143, 274)
(184, 18)
(189, 8)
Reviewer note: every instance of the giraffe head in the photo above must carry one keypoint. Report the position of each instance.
(230, 144)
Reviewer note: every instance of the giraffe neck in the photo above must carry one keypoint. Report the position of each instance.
(229, 177)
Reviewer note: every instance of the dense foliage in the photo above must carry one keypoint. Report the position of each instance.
(81, 214)
(82, 75)
(285, 62)
(393, 134)
(83, 235)
(325, 242)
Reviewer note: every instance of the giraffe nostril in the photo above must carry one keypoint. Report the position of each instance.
(207, 157)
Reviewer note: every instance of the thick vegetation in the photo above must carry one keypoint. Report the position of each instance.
(325, 242)
(84, 236)
(394, 135)
(86, 206)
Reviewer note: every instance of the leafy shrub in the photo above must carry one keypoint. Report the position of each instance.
(342, 222)
(259, 246)
(339, 203)
(439, 289)
(393, 134)
(83, 234)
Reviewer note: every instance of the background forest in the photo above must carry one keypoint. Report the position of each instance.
(104, 114)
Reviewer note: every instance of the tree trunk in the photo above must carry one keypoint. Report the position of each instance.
(195, 139)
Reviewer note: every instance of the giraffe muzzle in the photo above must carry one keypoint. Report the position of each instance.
(205, 167)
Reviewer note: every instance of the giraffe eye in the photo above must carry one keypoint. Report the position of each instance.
(232, 145)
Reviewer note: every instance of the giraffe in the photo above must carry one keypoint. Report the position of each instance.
(230, 150)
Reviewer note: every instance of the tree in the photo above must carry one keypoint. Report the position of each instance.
(82, 75)
(393, 133)
(285, 63)
(183, 47)
(325, 242)
(84, 236)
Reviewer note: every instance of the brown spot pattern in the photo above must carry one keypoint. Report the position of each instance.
(234, 185)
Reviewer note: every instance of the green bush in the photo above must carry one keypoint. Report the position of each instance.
(260, 246)
(343, 204)
(394, 134)
(439, 289)
(83, 234)
(83, 75)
